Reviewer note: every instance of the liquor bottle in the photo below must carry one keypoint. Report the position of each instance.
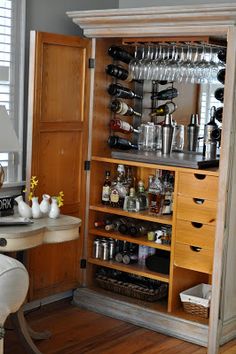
(106, 189)
(167, 108)
(209, 144)
(168, 199)
(219, 114)
(119, 125)
(222, 55)
(118, 90)
(137, 229)
(131, 202)
(221, 76)
(119, 72)
(142, 196)
(103, 222)
(155, 194)
(123, 109)
(115, 142)
(130, 179)
(167, 94)
(219, 94)
(119, 53)
(114, 225)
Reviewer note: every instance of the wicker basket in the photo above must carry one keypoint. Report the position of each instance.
(197, 300)
(132, 290)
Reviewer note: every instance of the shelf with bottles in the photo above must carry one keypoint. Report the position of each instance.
(131, 268)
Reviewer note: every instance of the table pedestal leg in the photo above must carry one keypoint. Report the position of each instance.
(26, 333)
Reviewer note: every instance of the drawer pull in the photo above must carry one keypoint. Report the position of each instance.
(198, 201)
(195, 249)
(197, 225)
(198, 176)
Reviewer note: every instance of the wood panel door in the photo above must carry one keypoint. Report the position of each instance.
(57, 148)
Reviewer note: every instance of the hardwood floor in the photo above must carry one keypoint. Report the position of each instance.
(78, 331)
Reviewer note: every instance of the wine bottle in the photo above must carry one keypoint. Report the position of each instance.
(167, 94)
(222, 55)
(106, 189)
(221, 76)
(219, 94)
(120, 143)
(118, 90)
(219, 114)
(119, 53)
(167, 108)
(119, 72)
(123, 109)
(119, 125)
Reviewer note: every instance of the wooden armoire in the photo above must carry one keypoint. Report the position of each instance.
(68, 128)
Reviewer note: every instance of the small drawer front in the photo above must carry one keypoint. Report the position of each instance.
(195, 209)
(198, 186)
(195, 234)
(190, 257)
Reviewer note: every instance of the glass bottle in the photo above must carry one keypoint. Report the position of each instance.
(155, 194)
(130, 203)
(119, 125)
(118, 90)
(119, 53)
(219, 114)
(142, 196)
(168, 199)
(115, 142)
(119, 72)
(120, 107)
(131, 256)
(106, 189)
(222, 55)
(118, 189)
(167, 94)
(219, 94)
(167, 108)
(114, 225)
(221, 76)
(130, 179)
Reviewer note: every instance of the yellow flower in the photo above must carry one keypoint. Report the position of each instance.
(60, 199)
(30, 196)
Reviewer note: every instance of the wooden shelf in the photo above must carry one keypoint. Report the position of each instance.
(162, 219)
(139, 240)
(131, 268)
(213, 171)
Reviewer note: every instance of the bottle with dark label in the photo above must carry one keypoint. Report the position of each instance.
(106, 189)
(167, 108)
(118, 90)
(221, 76)
(119, 125)
(219, 94)
(155, 193)
(219, 114)
(119, 72)
(123, 109)
(119, 53)
(167, 94)
(116, 142)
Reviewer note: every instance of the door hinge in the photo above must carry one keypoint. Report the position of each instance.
(83, 263)
(91, 63)
(87, 165)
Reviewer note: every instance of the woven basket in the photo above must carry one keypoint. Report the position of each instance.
(195, 309)
(132, 290)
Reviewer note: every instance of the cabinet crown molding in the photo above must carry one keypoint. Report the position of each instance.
(125, 22)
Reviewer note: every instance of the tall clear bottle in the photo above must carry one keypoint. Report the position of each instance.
(156, 194)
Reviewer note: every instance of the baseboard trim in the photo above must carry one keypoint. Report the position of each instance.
(144, 317)
(228, 330)
(47, 300)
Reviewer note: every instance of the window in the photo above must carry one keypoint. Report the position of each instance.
(12, 35)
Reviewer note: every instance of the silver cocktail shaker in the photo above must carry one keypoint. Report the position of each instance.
(192, 133)
(167, 134)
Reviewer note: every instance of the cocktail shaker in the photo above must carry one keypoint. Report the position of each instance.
(167, 134)
(192, 133)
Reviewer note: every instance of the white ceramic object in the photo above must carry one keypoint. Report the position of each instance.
(36, 212)
(54, 212)
(45, 204)
(24, 209)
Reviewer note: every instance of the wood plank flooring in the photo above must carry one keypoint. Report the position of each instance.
(78, 331)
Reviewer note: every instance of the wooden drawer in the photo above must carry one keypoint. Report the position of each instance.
(198, 210)
(198, 186)
(195, 234)
(198, 259)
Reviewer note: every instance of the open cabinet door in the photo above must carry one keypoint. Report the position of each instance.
(57, 147)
